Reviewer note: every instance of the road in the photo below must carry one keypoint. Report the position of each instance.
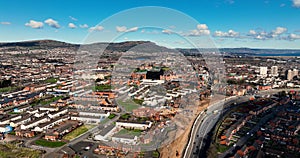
(206, 121)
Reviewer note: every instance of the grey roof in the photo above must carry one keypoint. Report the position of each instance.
(127, 136)
(104, 131)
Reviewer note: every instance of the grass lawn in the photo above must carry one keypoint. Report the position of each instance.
(45, 101)
(10, 151)
(50, 144)
(129, 105)
(104, 87)
(7, 89)
(130, 132)
(78, 131)
(125, 116)
(138, 101)
(111, 116)
(155, 154)
(51, 80)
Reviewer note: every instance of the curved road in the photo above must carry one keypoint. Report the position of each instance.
(206, 121)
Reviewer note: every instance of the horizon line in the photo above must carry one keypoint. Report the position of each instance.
(73, 43)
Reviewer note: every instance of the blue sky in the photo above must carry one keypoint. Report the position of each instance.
(227, 23)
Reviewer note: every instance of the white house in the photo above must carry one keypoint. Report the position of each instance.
(125, 139)
(134, 125)
(106, 133)
(47, 125)
(34, 123)
(48, 108)
(58, 113)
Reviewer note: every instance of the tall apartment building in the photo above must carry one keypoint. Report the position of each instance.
(290, 74)
(274, 70)
(263, 70)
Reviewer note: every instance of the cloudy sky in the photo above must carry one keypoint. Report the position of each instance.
(227, 23)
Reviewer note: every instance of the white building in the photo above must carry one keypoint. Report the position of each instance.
(133, 125)
(34, 123)
(106, 133)
(50, 124)
(90, 116)
(274, 70)
(125, 139)
(291, 74)
(263, 70)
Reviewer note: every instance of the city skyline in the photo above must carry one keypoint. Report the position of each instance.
(229, 23)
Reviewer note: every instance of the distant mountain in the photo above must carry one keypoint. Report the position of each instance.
(143, 46)
(38, 43)
(110, 47)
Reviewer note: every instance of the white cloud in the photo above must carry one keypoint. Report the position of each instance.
(263, 35)
(124, 29)
(52, 23)
(202, 29)
(5, 23)
(72, 26)
(96, 28)
(230, 33)
(293, 36)
(279, 30)
(167, 31)
(260, 35)
(35, 24)
(252, 32)
(121, 28)
(84, 26)
(72, 18)
(296, 3)
(199, 32)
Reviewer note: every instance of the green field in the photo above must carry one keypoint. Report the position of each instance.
(129, 105)
(78, 131)
(130, 132)
(50, 144)
(12, 151)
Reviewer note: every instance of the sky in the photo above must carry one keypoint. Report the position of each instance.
(172, 23)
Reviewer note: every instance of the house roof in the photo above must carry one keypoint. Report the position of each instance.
(67, 150)
(104, 131)
(126, 136)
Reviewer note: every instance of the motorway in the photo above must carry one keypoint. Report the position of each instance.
(206, 121)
